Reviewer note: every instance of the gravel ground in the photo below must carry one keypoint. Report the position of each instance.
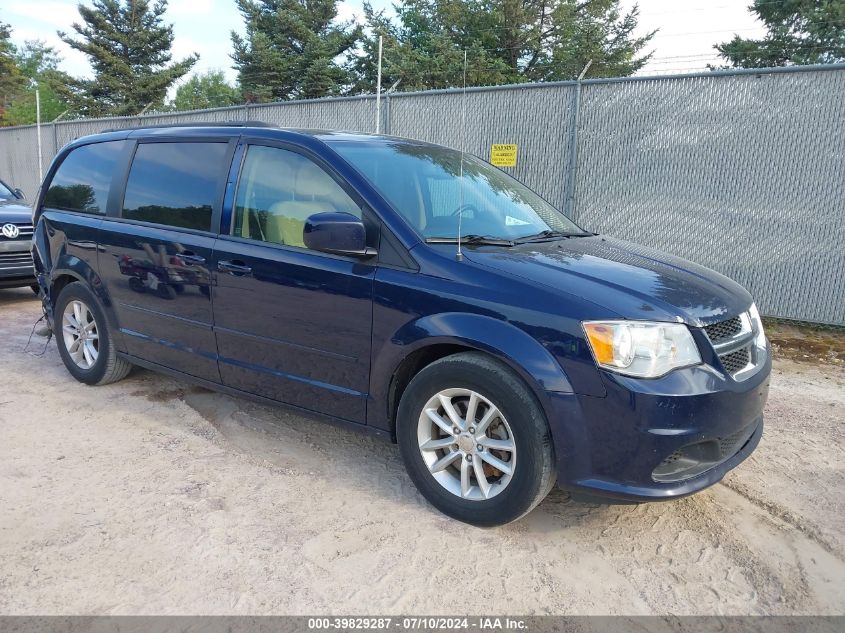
(151, 496)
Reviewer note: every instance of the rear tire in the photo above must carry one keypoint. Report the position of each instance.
(475, 441)
(84, 340)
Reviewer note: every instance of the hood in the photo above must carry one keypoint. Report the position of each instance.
(14, 211)
(633, 281)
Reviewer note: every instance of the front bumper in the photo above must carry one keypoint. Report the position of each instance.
(658, 439)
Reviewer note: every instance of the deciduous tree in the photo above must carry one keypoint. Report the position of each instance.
(39, 65)
(206, 90)
(11, 78)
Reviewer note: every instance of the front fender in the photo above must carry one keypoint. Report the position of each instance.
(511, 345)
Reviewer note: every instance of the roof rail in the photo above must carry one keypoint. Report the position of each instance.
(194, 124)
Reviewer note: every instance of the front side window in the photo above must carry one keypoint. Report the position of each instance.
(433, 187)
(278, 190)
(83, 179)
(175, 184)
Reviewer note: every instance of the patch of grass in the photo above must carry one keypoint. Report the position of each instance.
(805, 342)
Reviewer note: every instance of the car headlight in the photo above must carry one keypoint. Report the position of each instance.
(641, 348)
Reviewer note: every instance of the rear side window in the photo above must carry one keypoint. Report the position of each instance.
(83, 179)
(175, 184)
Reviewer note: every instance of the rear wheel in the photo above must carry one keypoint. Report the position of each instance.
(84, 340)
(475, 441)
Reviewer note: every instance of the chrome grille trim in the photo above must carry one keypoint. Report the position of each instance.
(26, 231)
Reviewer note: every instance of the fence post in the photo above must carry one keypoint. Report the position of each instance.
(569, 206)
(387, 113)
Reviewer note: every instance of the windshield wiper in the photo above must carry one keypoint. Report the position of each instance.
(549, 235)
(482, 240)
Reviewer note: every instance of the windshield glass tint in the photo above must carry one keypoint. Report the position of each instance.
(5, 192)
(422, 182)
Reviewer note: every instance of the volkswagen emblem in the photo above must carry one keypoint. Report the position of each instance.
(10, 231)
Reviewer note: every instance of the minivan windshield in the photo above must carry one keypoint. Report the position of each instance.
(423, 183)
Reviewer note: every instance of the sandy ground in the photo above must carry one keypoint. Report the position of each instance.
(151, 496)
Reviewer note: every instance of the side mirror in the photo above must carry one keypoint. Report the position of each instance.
(19, 193)
(338, 233)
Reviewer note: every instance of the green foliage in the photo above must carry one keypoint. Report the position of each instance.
(507, 41)
(291, 49)
(207, 90)
(799, 32)
(12, 80)
(39, 64)
(128, 46)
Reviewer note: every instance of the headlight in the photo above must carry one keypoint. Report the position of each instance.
(641, 348)
(757, 325)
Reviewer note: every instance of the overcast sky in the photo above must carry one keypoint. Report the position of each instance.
(687, 29)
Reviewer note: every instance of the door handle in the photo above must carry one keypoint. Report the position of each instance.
(235, 267)
(191, 258)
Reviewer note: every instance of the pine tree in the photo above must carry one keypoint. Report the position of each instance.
(128, 46)
(507, 41)
(799, 32)
(291, 48)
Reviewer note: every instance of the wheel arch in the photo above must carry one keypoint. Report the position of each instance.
(81, 272)
(426, 340)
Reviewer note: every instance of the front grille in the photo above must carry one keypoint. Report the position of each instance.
(731, 445)
(736, 361)
(15, 260)
(723, 330)
(694, 459)
(732, 341)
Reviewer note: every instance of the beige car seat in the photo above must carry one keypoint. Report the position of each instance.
(314, 192)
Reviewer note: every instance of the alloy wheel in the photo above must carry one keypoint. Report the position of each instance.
(467, 444)
(80, 334)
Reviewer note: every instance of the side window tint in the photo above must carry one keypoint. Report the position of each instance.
(278, 190)
(83, 179)
(175, 183)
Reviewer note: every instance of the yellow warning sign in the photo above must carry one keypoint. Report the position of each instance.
(503, 155)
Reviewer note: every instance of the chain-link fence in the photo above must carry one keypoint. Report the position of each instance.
(741, 171)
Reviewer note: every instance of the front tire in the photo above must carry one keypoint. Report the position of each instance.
(474, 440)
(84, 340)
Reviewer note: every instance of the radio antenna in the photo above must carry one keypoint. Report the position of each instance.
(459, 255)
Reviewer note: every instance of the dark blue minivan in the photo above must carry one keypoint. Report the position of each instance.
(407, 289)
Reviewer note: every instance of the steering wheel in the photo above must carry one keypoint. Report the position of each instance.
(466, 207)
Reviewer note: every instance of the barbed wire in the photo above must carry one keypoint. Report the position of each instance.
(520, 29)
(710, 8)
